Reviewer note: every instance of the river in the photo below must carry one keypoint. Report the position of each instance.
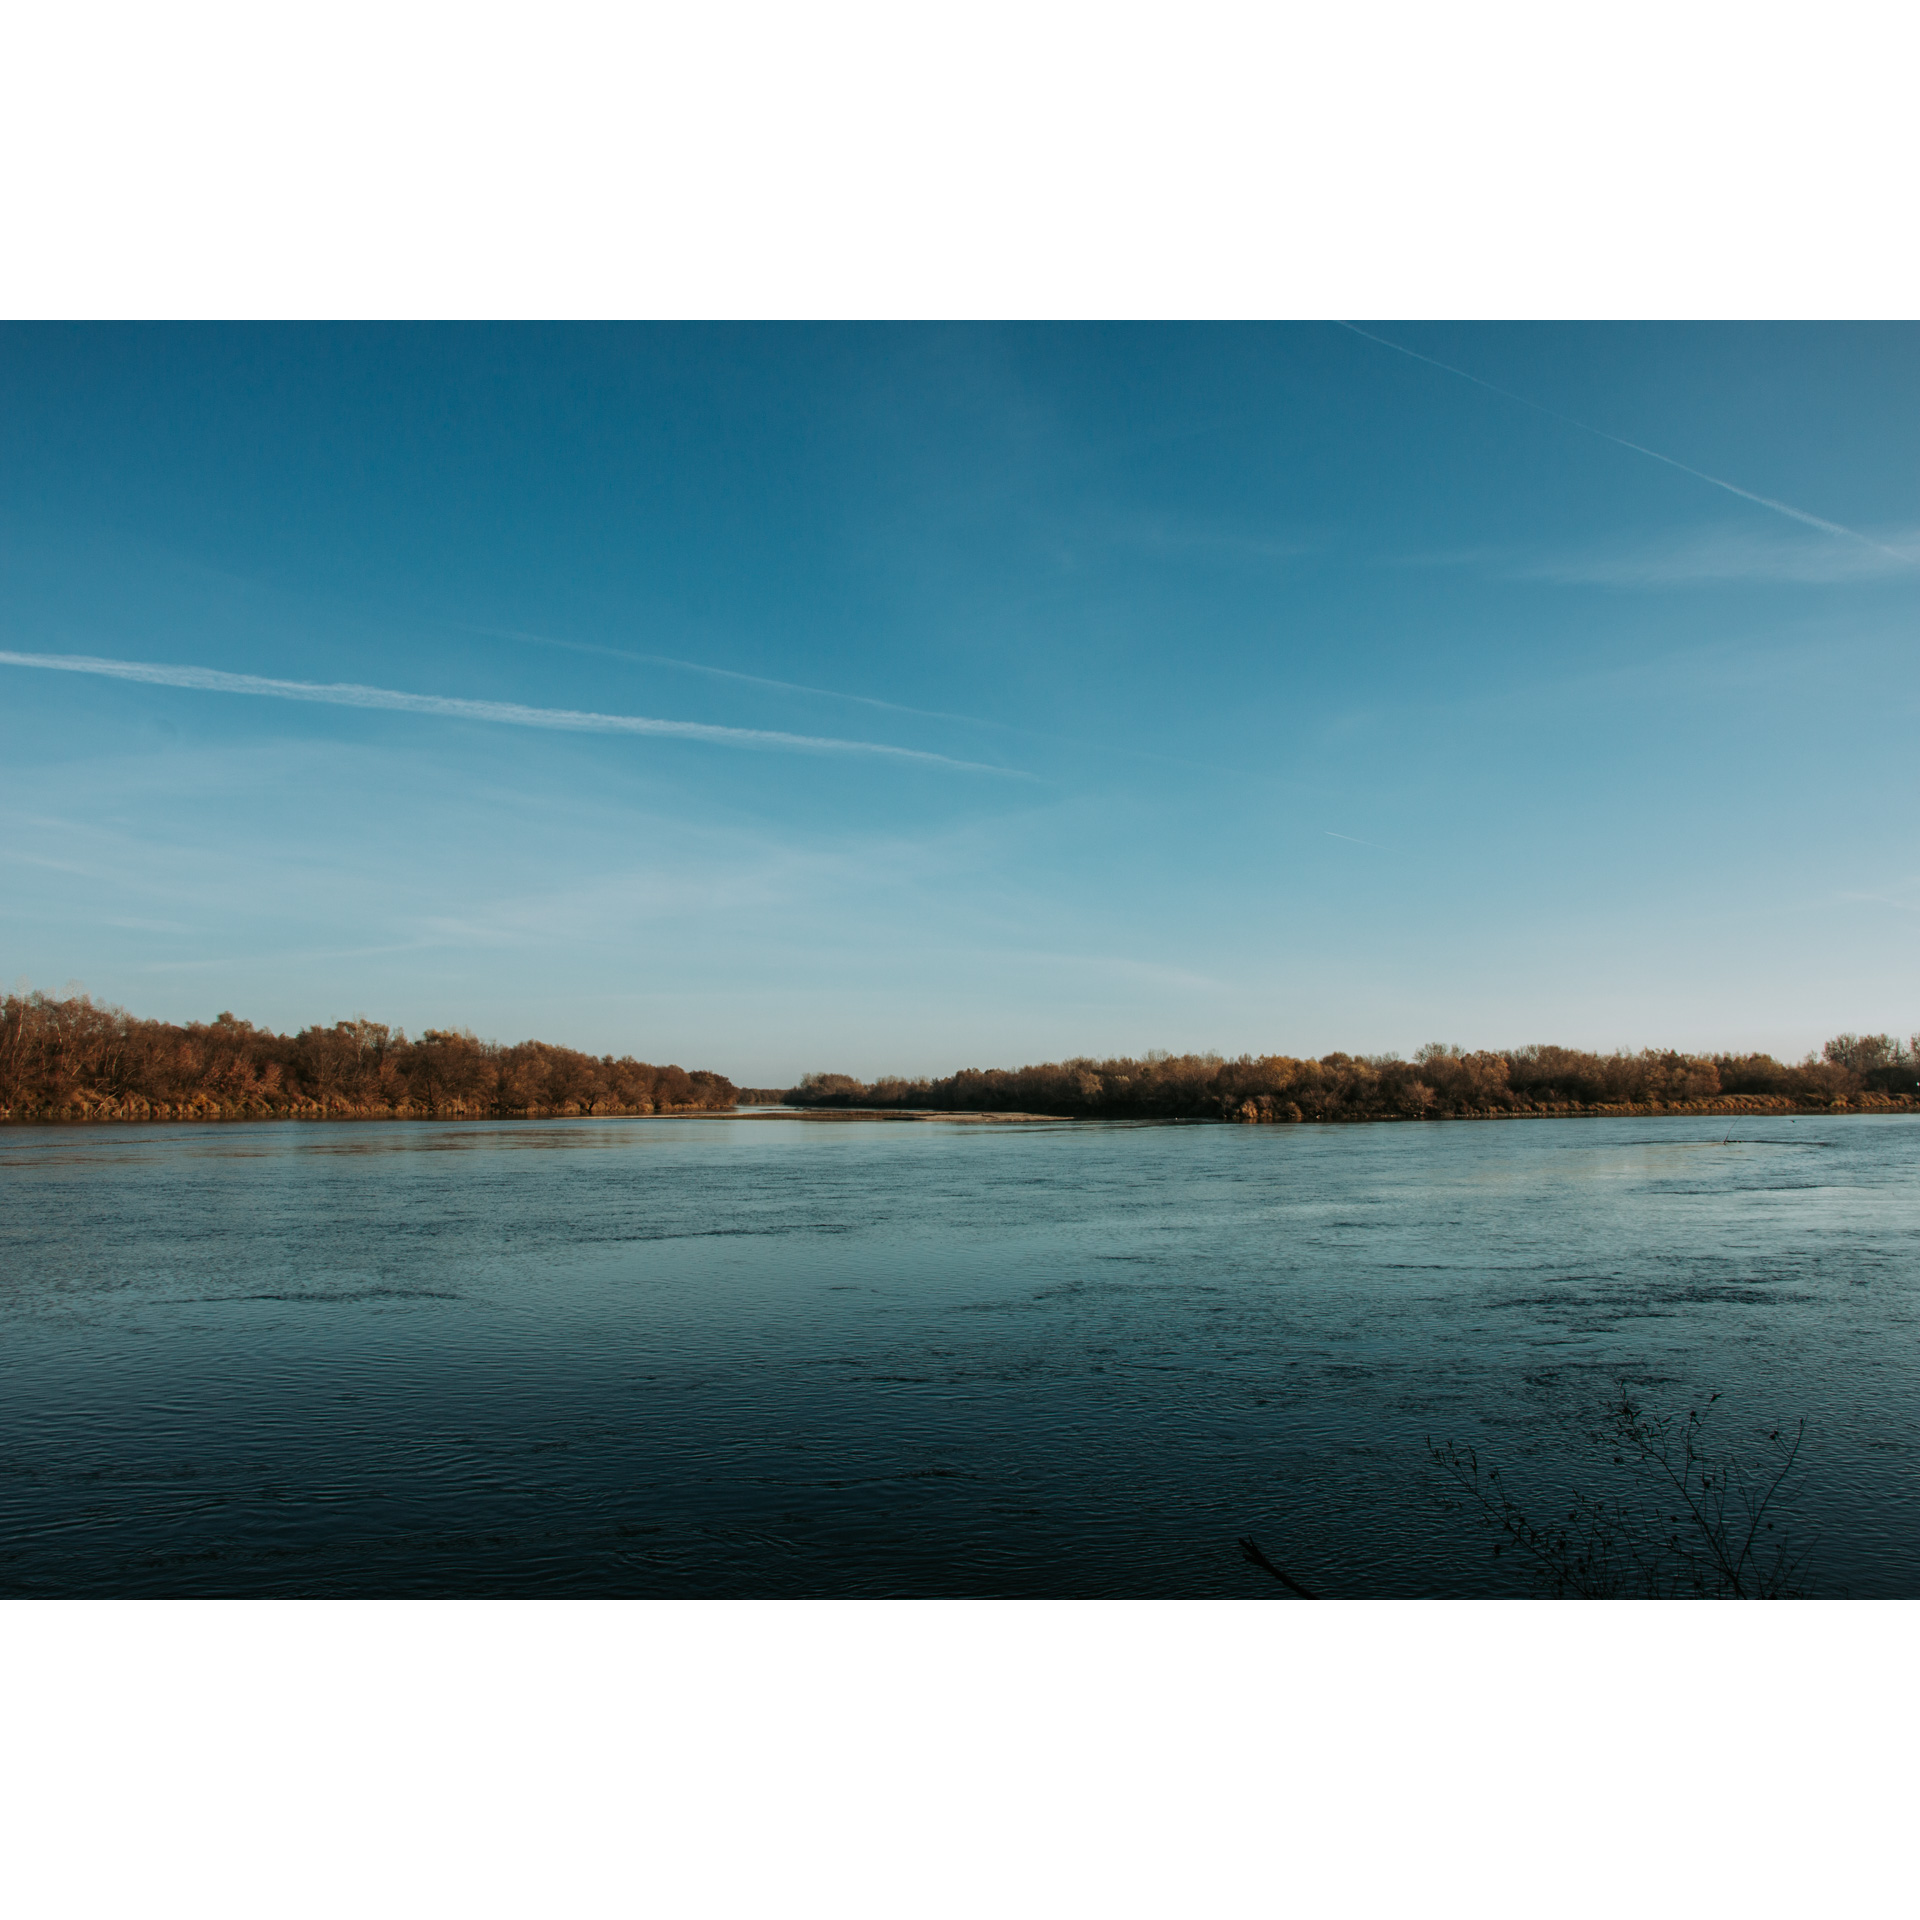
(730, 1356)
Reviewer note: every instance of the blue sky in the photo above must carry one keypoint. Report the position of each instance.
(1253, 688)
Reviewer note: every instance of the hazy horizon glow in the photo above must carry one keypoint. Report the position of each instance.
(1230, 688)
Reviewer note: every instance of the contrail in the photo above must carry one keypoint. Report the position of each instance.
(732, 673)
(828, 693)
(501, 712)
(1633, 446)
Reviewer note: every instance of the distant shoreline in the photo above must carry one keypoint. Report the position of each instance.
(1748, 1106)
(67, 1060)
(1853, 1073)
(72, 1062)
(1732, 1107)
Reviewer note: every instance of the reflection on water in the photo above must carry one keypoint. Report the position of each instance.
(768, 1356)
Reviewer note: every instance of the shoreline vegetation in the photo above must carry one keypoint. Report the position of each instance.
(72, 1060)
(1871, 1074)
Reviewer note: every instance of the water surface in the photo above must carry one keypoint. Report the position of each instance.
(740, 1356)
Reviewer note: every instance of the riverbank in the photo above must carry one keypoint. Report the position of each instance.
(69, 1059)
(903, 1113)
(1266, 1112)
(1250, 1113)
(82, 1110)
(1852, 1074)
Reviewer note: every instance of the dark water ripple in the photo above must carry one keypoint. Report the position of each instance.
(712, 1356)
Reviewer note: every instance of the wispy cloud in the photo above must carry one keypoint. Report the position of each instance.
(1171, 535)
(1083, 963)
(271, 958)
(1711, 556)
(497, 712)
(1721, 555)
(1632, 446)
(733, 674)
(1888, 899)
(858, 699)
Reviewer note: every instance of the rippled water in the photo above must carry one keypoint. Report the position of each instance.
(728, 1356)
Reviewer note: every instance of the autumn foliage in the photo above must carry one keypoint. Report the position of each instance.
(68, 1059)
(1440, 1082)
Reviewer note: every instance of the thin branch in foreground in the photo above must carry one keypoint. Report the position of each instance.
(1250, 1548)
(1640, 1546)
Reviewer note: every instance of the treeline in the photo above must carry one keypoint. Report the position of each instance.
(1440, 1083)
(72, 1060)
